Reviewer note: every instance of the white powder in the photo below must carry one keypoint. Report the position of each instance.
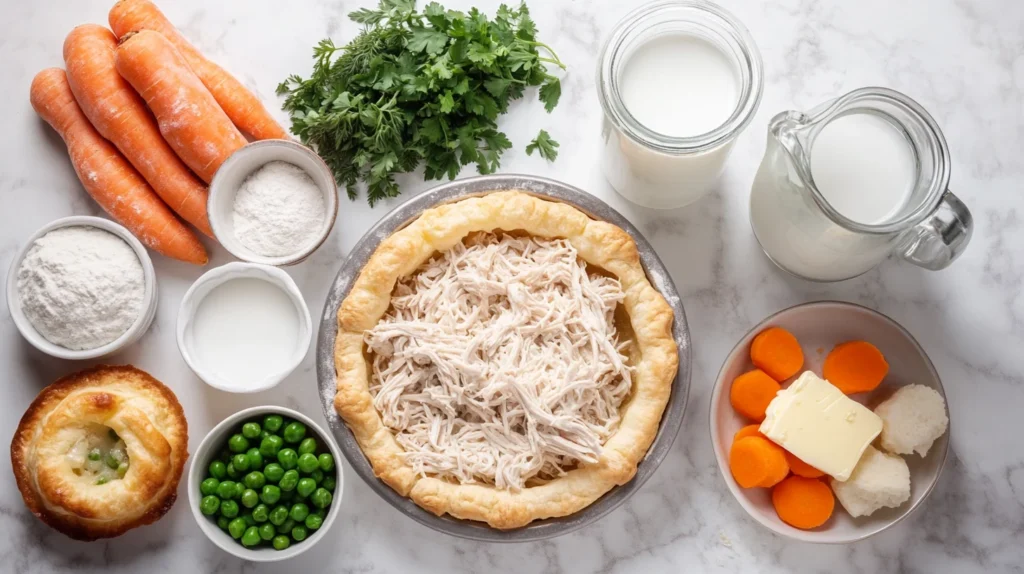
(279, 210)
(81, 287)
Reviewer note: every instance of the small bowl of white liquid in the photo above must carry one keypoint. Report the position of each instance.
(678, 81)
(243, 327)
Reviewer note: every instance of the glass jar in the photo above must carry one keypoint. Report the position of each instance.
(804, 234)
(651, 168)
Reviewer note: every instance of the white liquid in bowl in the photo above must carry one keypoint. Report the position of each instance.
(245, 330)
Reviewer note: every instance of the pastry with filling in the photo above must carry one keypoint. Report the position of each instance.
(504, 359)
(100, 452)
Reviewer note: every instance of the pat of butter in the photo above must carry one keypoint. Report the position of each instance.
(821, 426)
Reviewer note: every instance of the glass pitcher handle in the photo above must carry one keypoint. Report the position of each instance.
(937, 241)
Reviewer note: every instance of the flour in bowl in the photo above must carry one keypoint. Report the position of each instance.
(279, 210)
(81, 287)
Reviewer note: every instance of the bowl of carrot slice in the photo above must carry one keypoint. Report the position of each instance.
(862, 353)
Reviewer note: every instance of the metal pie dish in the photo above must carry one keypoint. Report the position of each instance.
(404, 214)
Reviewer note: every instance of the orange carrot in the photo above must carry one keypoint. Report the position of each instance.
(751, 392)
(855, 367)
(749, 430)
(803, 502)
(119, 115)
(189, 118)
(801, 468)
(755, 461)
(108, 177)
(777, 352)
(240, 104)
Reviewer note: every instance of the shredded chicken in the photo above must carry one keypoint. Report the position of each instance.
(499, 362)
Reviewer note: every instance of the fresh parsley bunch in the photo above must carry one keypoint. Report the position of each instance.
(420, 87)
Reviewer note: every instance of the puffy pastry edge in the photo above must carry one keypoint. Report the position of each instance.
(47, 400)
(437, 229)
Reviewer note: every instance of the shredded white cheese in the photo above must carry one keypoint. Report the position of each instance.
(499, 362)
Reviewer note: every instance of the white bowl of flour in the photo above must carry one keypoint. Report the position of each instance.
(273, 202)
(81, 288)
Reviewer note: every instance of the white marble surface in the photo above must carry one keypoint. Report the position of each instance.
(962, 59)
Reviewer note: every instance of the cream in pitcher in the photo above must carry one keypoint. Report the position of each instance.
(857, 178)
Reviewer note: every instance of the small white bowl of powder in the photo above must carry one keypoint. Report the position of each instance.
(273, 202)
(81, 288)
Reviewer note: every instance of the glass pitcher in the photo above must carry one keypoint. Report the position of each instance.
(804, 234)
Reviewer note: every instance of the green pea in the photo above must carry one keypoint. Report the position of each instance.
(209, 505)
(232, 472)
(238, 443)
(308, 445)
(236, 528)
(299, 512)
(320, 498)
(271, 445)
(249, 520)
(305, 487)
(313, 522)
(286, 526)
(308, 463)
(317, 475)
(122, 469)
(250, 498)
(261, 513)
(251, 430)
(223, 522)
(288, 458)
(294, 432)
(326, 462)
(299, 533)
(255, 479)
(271, 494)
(329, 483)
(218, 470)
(251, 536)
(226, 490)
(209, 486)
(273, 472)
(289, 480)
(278, 515)
(281, 542)
(264, 434)
(229, 508)
(241, 462)
(273, 423)
(110, 461)
(94, 454)
(240, 488)
(267, 531)
(255, 458)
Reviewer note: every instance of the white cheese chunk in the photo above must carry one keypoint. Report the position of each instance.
(817, 423)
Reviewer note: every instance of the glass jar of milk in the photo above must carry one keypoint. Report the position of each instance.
(853, 180)
(678, 81)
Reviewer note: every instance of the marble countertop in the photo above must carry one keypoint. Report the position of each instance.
(962, 60)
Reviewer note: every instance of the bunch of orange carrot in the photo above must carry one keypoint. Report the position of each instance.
(147, 121)
(799, 497)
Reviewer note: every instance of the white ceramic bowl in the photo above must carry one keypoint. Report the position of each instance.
(819, 327)
(218, 276)
(244, 162)
(133, 334)
(218, 439)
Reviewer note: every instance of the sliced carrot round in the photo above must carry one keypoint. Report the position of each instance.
(855, 367)
(803, 502)
(751, 393)
(755, 461)
(777, 352)
(801, 468)
(749, 430)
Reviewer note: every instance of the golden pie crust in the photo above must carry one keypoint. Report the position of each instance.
(142, 411)
(598, 243)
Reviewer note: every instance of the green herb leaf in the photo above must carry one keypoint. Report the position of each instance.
(419, 89)
(544, 145)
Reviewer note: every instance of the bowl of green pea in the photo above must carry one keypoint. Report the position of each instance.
(265, 484)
